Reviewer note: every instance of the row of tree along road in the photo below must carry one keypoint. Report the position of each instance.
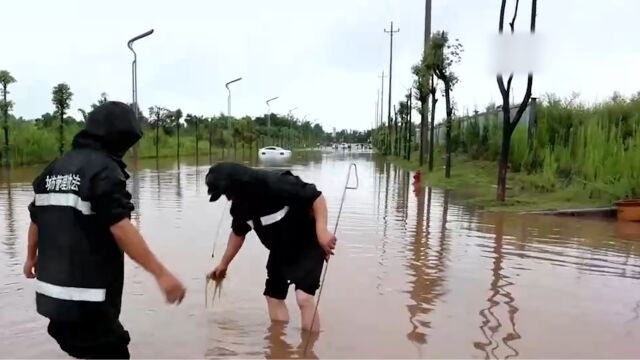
(168, 133)
(563, 145)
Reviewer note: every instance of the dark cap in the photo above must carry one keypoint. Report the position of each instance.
(217, 183)
(230, 179)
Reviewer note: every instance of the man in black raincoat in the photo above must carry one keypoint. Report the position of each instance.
(79, 230)
(290, 218)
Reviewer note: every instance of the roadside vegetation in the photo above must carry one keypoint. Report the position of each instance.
(167, 133)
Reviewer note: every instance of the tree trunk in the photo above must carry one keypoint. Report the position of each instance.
(178, 132)
(157, 135)
(403, 148)
(395, 134)
(423, 132)
(389, 148)
(432, 130)
(61, 132)
(210, 141)
(509, 125)
(409, 134)
(447, 95)
(503, 162)
(197, 148)
(5, 113)
(400, 140)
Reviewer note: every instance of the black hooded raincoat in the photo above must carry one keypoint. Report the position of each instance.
(80, 268)
(277, 205)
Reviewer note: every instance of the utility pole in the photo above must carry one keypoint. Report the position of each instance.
(375, 123)
(382, 97)
(425, 105)
(390, 32)
(384, 140)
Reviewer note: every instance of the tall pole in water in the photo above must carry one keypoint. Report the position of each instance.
(390, 32)
(425, 83)
(269, 117)
(134, 81)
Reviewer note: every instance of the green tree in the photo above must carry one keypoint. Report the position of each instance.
(175, 118)
(509, 124)
(158, 116)
(440, 57)
(194, 121)
(62, 101)
(426, 89)
(403, 113)
(5, 106)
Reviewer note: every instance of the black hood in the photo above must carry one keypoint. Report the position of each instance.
(232, 179)
(111, 127)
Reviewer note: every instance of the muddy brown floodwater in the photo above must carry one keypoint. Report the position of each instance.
(415, 276)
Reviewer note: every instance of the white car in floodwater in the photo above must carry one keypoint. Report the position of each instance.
(274, 153)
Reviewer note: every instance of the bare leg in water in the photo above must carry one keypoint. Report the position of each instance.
(277, 310)
(307, 306)
(307, 341)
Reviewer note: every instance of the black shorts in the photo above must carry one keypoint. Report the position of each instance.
(105, 339)
(303, 270)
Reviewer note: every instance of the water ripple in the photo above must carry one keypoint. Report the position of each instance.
(446, 281)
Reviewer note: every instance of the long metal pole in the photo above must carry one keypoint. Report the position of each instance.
(229, 97)
(375, 124)
(335, 230)
(381, 98)
(134, 80)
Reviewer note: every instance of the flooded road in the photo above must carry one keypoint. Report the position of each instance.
(414, 276)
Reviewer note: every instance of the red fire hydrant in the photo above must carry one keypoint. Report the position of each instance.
(416, 176)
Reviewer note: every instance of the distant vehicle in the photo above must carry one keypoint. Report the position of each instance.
(274, 153)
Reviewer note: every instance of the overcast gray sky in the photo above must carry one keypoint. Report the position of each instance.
(323, 57)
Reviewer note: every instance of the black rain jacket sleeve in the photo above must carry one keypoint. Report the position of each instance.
(110, 199)
(239, 227)
(295, 192)
(32, 212)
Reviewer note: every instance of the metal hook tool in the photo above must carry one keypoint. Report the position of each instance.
(324, 274)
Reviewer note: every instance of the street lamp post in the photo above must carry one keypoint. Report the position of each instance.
(269, 117)
(134, 80)
(229, 97)
(229, 106)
